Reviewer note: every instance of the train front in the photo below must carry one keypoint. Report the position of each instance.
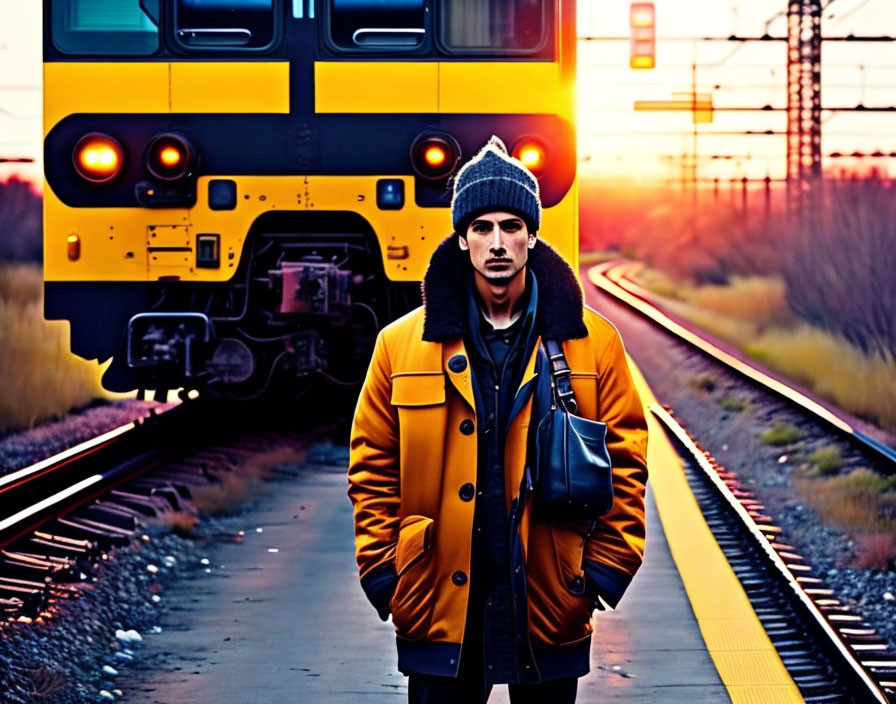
(241, 192)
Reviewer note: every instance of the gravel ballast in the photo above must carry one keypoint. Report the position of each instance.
(727, 417)
(24, 448)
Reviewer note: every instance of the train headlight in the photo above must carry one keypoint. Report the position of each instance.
(170, 157)
(434, 156)
(533, 152)
(98, 157)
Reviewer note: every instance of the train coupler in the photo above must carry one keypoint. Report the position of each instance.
(171, 343)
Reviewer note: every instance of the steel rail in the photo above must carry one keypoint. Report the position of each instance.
(611, 278)
(30, 495)
(848, 656)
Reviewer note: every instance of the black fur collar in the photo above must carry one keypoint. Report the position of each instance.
(559, 315)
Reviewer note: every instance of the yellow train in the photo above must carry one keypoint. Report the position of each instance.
(243, 191)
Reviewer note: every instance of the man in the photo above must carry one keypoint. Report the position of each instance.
(449, 541)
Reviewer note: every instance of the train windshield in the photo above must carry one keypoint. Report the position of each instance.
(215, 24)
(377, 24)
(504, 26)
(104, 27)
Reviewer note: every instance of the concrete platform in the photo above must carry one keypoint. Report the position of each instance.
(294, 626)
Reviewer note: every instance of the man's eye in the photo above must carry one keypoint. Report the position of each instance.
(514, 226)
(482, 228)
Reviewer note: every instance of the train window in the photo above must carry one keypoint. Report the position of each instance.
(376, 25)
(104, 27)
(230, 24)
(492, 26)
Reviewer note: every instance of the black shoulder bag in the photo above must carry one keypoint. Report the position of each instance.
(573, 474)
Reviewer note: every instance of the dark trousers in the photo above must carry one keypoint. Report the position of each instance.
(428, 689)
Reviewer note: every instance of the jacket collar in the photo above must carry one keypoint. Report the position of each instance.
(559, 314)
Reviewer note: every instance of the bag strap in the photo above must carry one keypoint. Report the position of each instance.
(560, 372)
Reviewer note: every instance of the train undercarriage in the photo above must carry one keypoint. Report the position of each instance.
(304, 303)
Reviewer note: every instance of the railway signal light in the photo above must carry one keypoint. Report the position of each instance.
(533, 152)
(643, 35)
(97, 157)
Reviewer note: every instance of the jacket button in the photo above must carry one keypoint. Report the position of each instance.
(467, 427)
(459, 578)
(577, 585)
(467, 492)
(457, 363)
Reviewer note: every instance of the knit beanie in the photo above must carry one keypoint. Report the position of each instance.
(495, 181)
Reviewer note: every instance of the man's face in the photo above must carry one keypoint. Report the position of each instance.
(499, 245)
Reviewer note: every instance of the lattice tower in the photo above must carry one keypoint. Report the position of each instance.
(803, 95)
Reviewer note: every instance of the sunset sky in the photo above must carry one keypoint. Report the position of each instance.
(614, 140)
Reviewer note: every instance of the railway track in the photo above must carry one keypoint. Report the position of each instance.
(614, 279)
(48, 547)
(54, 524)
(832, 654)
(61, 516)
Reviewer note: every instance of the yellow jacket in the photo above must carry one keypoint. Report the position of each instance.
(413, 448)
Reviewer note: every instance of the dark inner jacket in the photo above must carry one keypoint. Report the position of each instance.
(493, 639)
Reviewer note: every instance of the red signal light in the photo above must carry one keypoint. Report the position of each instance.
(643, 35)
(98, 157)
(533, 152)
(170, 157)
(434, 156)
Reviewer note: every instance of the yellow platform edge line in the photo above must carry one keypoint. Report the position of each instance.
(746, 660)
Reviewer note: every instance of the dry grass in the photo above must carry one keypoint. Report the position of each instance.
(831, 367)
(751, 315)
(659, 283)
(40, 378)
(179, 522)
(238, 482)
(736, 312)
(782, 434)
(825, 461)
(839, 263)
(861, 503)
(592, 258)
(875, 550)
(733, 403)
(761, 300)
(223, 497)
(855, 501)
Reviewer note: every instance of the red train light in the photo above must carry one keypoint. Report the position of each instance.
(170, 157)
(97, 157)
(434, 156)
(533, 152)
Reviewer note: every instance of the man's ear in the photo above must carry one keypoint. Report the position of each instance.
(533, 238)
(462, 243)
